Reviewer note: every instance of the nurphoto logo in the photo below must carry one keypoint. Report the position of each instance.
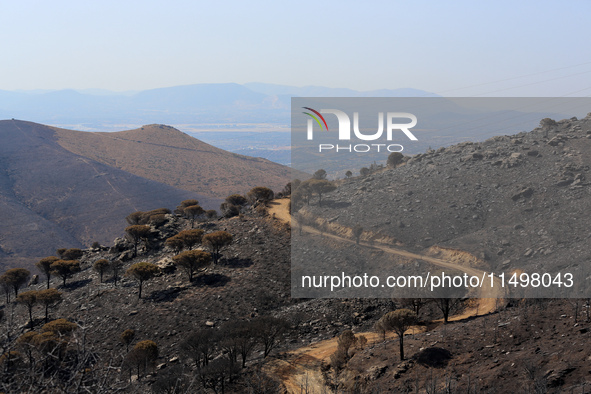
(344, 131)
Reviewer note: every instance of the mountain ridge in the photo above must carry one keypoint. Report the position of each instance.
(53, 196)
(152, 152)
(183, 104)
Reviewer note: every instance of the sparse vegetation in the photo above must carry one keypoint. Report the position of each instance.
(44, 266)
(127, 338)
(116, 268)
(357, 231)
(14, 279)
(70, 254)
(394, 159)
(49, 298)
(216, 242)
(28, 299)
(65, 269)
(142, 272)
(399, 321)
(320, 174)
(101, 266)
(260, 194)
(193, 212)
(143, 356)
(220, 330)
(191, 261)
(137, 233)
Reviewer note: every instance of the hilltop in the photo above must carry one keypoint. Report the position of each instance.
(67, 188)
(164, 154)
(51, 197)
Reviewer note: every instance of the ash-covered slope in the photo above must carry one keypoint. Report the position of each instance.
(517, 202)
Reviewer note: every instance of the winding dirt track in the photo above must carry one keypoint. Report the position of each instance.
(299, 370)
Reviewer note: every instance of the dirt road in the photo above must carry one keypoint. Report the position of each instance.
(279, 209)
(299, 370)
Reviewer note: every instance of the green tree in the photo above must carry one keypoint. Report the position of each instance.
(44, 266)
(65, 269)
(399, 321)
(233, 205)
(28, 299)
(101, 266)
(142, 272)
(15, 278)
(49, 298)
(136, 233)
(192, 261)
(286, 190)
(216, 241)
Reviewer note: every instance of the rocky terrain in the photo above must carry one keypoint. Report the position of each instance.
(517, 202)
(527, 347)
(251, 280)
(508, 203)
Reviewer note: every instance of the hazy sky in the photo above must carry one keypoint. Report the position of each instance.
(523, 48)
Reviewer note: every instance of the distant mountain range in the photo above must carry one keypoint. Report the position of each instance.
(187, 104)
(65, 188)
(322, 91)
